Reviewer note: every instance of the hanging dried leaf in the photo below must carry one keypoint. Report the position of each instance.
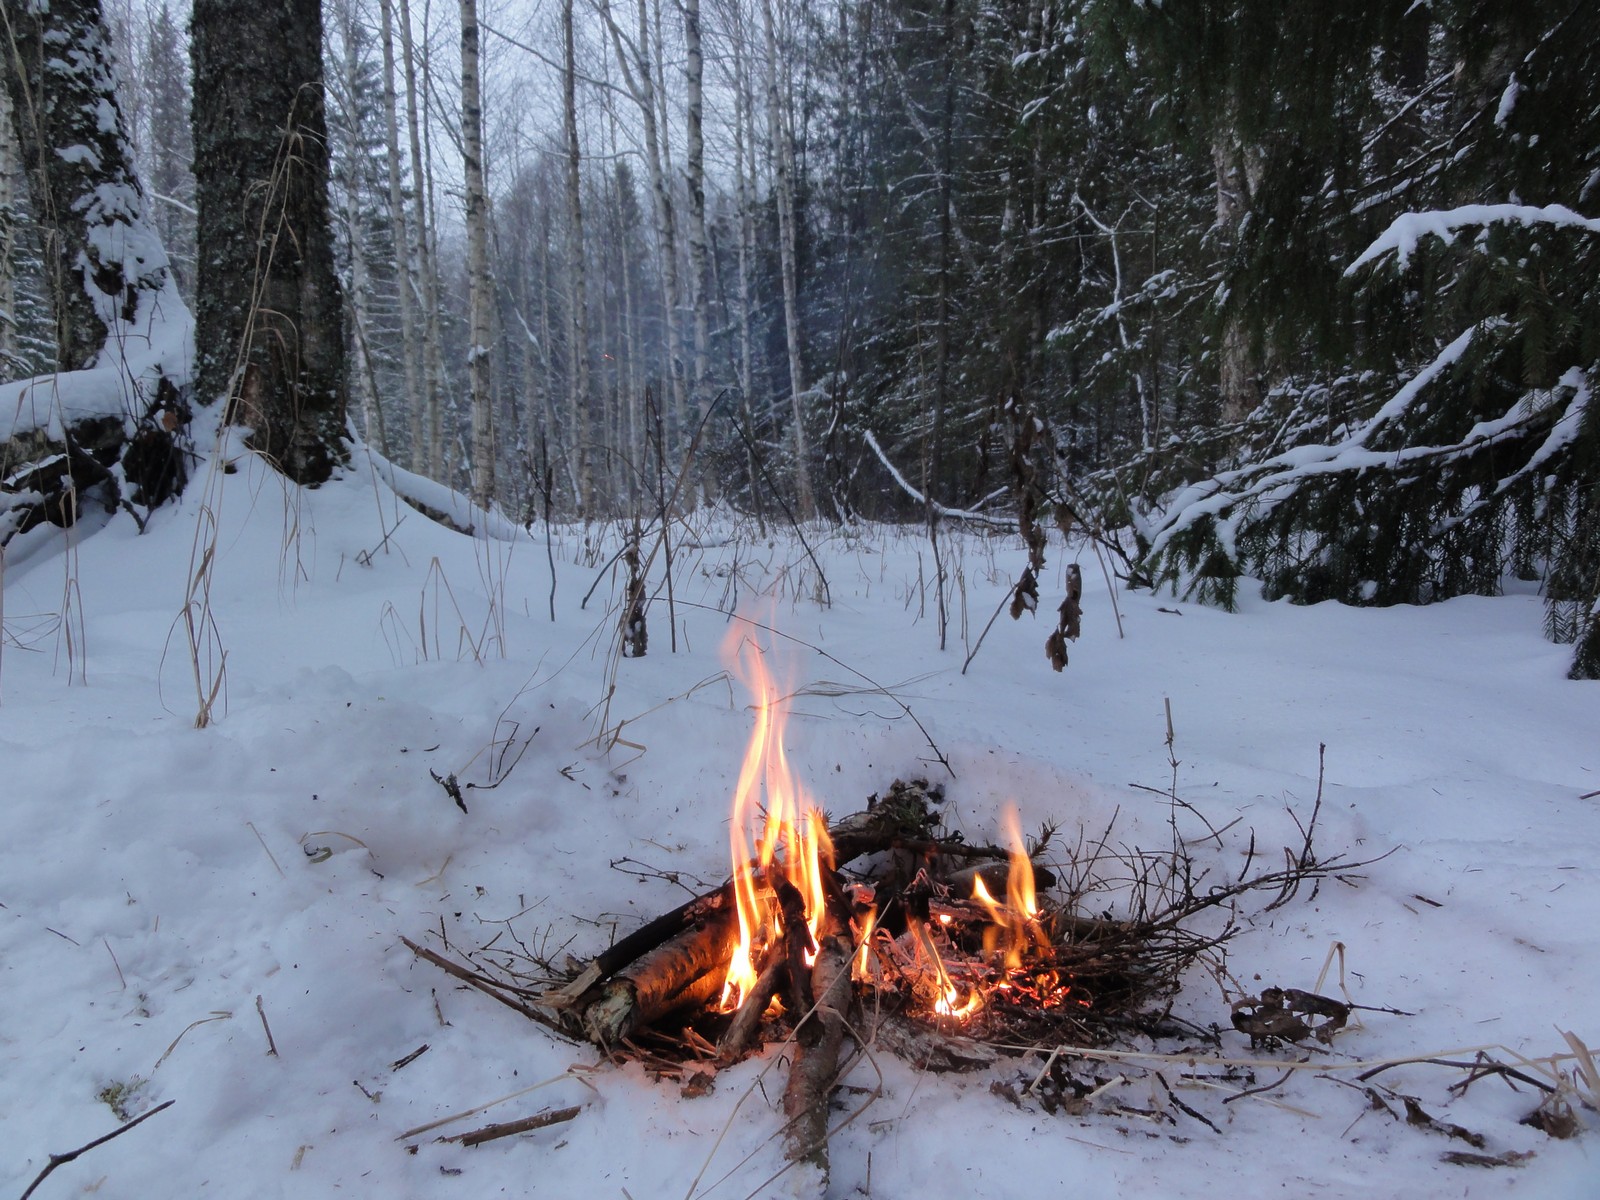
(1055, 648)
(1026, 596)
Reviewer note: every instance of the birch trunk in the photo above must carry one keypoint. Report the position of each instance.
(400, 221)
(782, 150)
(639, 75)
(744, 148)
(8, 241)
(695, 171)
(578, 292)
(421, 176)
(359, 296)
(479, 296)
(1237, 174)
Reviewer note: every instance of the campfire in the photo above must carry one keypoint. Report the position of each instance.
(888, 931)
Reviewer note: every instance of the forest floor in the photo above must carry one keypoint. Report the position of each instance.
(170, 894)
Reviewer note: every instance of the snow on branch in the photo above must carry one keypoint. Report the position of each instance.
(954, 514)
(1408, 229)
(438, 498)
(1282, 473)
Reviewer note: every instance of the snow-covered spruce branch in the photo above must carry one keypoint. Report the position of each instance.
(1408, 229)
(1280, 474)
(951, 514)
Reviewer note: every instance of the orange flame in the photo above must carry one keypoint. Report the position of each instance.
(1018, 919)
(768, 794)
(948, 1002)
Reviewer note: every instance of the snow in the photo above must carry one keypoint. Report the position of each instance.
(1408, 229)
(156, 879)
(1508, 101)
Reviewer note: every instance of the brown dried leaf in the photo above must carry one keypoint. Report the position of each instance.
(1055, 649)
(1026, 596)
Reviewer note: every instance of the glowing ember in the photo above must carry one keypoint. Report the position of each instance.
(793, 842)
(948, 1002)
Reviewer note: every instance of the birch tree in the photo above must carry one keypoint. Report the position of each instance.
(579, 419)
(479, 286)
(781, 148)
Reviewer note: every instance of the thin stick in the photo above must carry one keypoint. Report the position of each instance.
(267, 848)
(1000, 608)
(61, 1160)
(261, 1011)
(115, 963)
(489, 1133)
(487, 986)
(1115, 610)
(410, 1058)
(1279, 1082)
(472, 1112)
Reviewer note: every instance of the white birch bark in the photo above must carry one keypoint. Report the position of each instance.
(578, 422)
(480, 335)
(781, 148)
(695, 173)
(400, 221)
(8, 240)
(639, 75)
(421, 176)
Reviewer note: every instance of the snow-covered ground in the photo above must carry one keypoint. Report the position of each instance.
(156, 879)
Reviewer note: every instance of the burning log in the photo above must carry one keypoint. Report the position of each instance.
(752, 1008)
(815, 1070)
(682, 972)
(680, 958)
(995, 877)
(639, 943)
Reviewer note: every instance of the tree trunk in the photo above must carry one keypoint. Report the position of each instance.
(478, 284)
(744, 149)
(782, 150)
(695, 171)
(402, 242)
(364, 375)
(9, 358)
(107, 271)
(269, 332)
(1238, 174)
(421, 176)
(578, 293)
(634, 59)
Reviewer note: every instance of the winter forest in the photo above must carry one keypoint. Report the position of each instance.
(1301, 294)
(740, 599)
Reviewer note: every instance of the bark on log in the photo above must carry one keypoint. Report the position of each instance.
(815, 1069)
(748, 1019)
(931, 1050)
(995, 876)
(639, 943)
(904, 814)
(671, 976)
